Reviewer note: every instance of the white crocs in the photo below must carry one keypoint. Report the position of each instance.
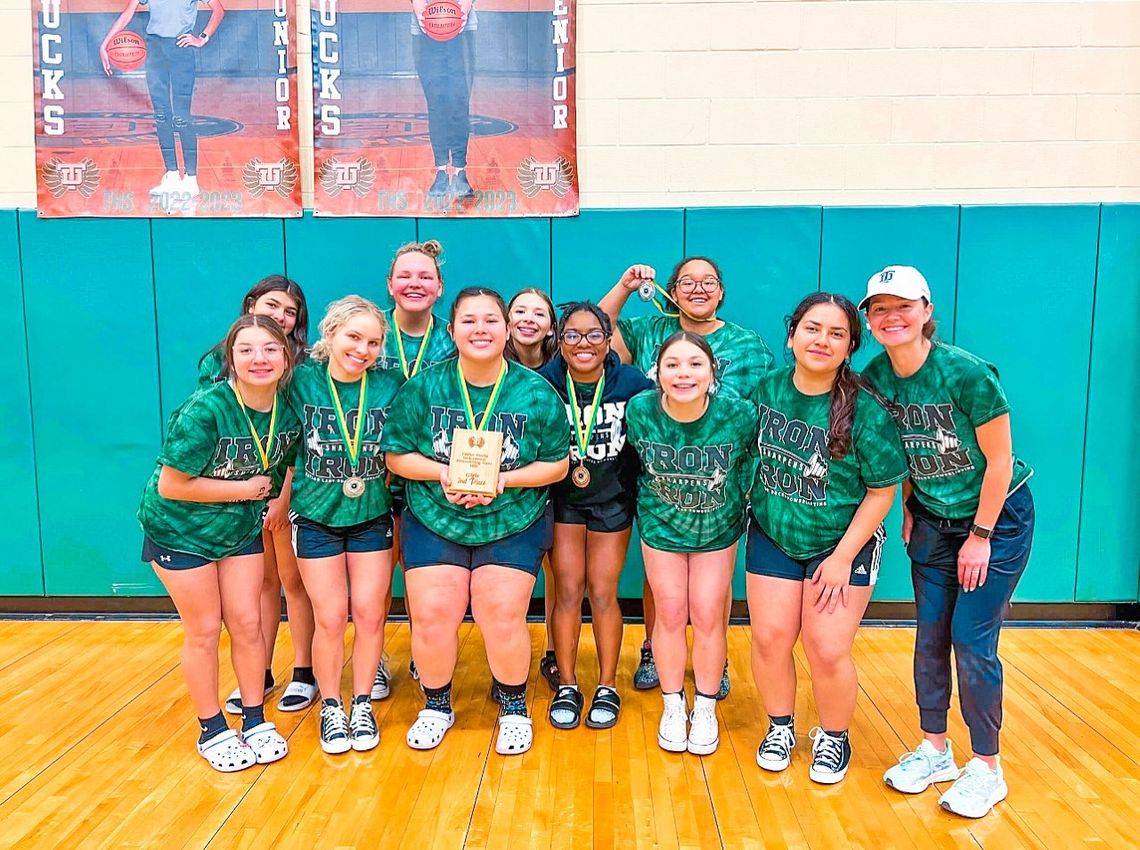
(227, 752)
(516, 734)
(266, 743)
(428, 730)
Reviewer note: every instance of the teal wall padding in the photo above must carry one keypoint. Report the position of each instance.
(21, 570)
(332, 257)
(89, 298)
(202, 268)
(1025, 296)
(857, 242)
(1109, 545)
(118, 312)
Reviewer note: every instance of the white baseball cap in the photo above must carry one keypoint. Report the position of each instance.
(901, 281)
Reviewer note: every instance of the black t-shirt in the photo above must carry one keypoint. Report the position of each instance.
(612, 464)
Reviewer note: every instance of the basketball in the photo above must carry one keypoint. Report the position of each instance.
(127, 51)
(442, 20)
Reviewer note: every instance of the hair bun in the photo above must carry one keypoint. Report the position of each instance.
(432, 248)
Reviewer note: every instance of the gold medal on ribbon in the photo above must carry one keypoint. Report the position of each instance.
(354, 486)
(476, 452)
(582, 433)
(262, 451)
(400, 348)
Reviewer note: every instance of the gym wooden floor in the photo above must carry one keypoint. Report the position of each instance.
(96, 750)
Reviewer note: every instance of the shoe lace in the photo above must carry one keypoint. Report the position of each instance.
(827, 750)
(333, 721)
(972, 782)
(363, 720)
(647, 656)
(381, 677)
(779, 740)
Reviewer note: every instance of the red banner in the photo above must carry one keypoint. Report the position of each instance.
(166, 107)
(444, 107)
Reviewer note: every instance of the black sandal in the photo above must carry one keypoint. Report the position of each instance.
(548, 667)
(605, 699)
(568, 699)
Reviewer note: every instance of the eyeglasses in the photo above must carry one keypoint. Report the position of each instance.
(594, 337)
(269, 351)
(688, 285)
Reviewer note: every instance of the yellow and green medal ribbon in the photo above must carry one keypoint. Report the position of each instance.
(582, 433)
(646, 292)
(400, 348)
(482, 423)
(353, 487)
(262, 451)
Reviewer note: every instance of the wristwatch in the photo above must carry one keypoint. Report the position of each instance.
(981, 531)
(205, 36)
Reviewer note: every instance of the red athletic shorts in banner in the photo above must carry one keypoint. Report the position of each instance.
(465, 108)
(166, 107)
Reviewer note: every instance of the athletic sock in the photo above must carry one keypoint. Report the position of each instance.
(512, 698)
(439, 699)
(304, 675)
(252, 715)
(268, 679)
(781, 719)
(211, 726)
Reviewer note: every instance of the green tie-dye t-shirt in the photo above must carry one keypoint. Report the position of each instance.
(207, 436)
(937, 410)
(439, 346)
(210, 368)
(322, 458)
(803, 498)
(741, 355)
(530, 416)
(693, 477)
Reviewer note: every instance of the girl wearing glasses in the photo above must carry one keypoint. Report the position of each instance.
(696, 287)
(201, 516)
(280, 299)
(593, 507)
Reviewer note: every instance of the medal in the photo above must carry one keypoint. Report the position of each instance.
(353, 487)
(582, 433)
(400, 348)
(262, 451)
(646, 290)
(580, 476)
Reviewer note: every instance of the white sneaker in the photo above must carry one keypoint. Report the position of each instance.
(916, 771)
(672, 732)
(704, 731)
(976, 791)
(775, 752)
(189, 185)
(381, 686)
(170, 183)
(334, 728)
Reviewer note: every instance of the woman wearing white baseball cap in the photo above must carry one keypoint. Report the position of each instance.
(968, 524)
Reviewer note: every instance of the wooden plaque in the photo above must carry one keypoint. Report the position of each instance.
(475, 458)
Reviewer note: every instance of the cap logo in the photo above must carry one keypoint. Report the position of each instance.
(885, 276)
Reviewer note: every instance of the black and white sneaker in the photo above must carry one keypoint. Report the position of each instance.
(381, 686)
(334, 728)
(830, 756)
(362, 725)
(775, 752)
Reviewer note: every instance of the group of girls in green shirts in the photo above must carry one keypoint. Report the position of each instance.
(680, 421)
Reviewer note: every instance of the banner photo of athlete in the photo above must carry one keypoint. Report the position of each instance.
(166, 107)
(444, 108)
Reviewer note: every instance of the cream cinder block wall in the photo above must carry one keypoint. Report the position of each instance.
(711, 102)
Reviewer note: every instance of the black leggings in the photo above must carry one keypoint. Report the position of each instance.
(447, 70)
(170, 82)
